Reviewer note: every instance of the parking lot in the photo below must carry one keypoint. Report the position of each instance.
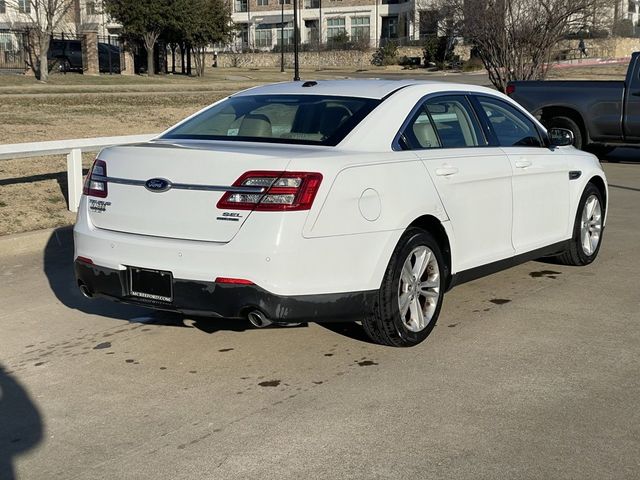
(531, 373)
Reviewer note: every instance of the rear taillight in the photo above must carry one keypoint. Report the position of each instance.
(511, 89)
(233, 281)
(95, 185)
(281, 191)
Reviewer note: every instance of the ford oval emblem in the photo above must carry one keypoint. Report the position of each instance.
(157, 185)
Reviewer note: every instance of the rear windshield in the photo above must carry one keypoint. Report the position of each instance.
(300, 119)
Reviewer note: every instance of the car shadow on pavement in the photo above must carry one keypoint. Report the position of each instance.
(350, 330)
(58, 267)
(622, 155)
(21, 427)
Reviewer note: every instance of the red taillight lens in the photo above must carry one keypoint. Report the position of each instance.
(233, 281)
(86, 260)
(95, 185)
(511, 89)
(281, 191)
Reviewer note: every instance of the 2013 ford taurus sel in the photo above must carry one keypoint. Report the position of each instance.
(335, 200)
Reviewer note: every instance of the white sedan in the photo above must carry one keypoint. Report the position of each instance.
(335, 201)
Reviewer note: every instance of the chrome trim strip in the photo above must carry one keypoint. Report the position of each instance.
(182, 186)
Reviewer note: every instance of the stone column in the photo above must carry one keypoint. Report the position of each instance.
(127, 64)
(90, 61)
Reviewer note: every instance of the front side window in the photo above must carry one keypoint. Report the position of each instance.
(297, 119)
(443, 122)
(511, 127)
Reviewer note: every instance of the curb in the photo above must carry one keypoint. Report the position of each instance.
(35, 241)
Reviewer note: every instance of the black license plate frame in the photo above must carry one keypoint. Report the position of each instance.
(150, 284)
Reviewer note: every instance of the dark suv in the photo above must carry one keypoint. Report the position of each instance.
(66, 55)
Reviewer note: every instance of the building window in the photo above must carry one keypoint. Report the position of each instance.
(263, 37)
(3, 6)
(91, 8)
(311, 3)
(389, 27)
(286, 2)
(24, 6)
(263, 3)
(287, 32)
(360, 29)
(335, 27)
(241, 6)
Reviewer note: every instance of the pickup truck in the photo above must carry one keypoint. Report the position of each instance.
(602, 115)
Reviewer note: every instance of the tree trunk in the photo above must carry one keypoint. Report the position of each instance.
(149, 42)
(43, 68)
(150, 65)
(188, 59)
(199, 58)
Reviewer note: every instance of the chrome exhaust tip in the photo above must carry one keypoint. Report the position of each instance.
(85, 291)
(258, 319)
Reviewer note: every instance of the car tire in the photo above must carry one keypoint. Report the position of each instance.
(569, 124)
(588, 229)
(410, 297)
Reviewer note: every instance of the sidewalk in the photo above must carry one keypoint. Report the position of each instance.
(586, 62)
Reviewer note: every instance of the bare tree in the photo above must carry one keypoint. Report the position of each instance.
(516, 39)
(41, 19)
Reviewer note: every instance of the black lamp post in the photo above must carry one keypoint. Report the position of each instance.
(281, 35)
(296, 66)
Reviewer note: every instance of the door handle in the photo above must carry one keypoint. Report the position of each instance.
(523, 163)
(446, 170)
(636, 94)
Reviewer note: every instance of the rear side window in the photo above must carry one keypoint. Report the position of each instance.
(443, 122)
(511, 127)
(301, 119)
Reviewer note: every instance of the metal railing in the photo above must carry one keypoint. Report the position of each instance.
(73, 149)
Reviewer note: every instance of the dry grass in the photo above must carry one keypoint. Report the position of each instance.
(600, 72)
(33, 191)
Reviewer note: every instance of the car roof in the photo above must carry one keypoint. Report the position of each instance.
(361, 88)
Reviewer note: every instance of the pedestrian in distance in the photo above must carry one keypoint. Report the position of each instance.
(582, 48)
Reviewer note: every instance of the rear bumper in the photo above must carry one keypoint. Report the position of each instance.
(231, 301)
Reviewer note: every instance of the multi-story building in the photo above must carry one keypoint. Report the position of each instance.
(89, 15)
(80, 17)
(264, 24)
(18, 16)
(631, 12)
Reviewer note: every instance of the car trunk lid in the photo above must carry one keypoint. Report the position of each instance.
(191, 177)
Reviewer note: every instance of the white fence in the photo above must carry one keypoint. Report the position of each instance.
(73, 149)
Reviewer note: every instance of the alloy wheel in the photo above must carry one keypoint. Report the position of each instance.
(419, 288)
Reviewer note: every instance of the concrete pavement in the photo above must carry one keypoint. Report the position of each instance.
(531, 373)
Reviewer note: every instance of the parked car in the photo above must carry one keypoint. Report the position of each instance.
(109, 58)
(602, 115)
(66, 56)
(334, 201)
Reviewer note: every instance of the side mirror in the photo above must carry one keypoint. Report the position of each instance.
(560, 137)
